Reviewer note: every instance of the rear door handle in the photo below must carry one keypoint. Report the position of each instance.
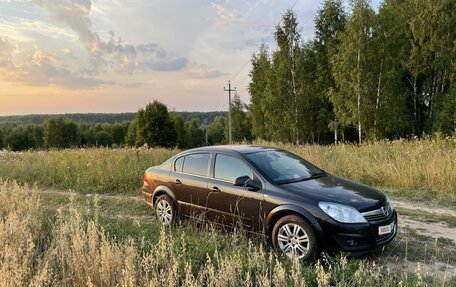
(215, 189)
(178, 181)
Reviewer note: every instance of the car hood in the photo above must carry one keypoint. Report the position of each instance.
(334, 189)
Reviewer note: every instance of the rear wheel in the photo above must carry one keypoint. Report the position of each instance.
(165, 210)
(293, 237)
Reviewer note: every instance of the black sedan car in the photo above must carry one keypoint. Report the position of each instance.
(303, 209)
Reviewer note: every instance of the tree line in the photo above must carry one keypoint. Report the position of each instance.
(60, 132)
(101, 118)
(153, 126)
(365, 75)
(90, 118)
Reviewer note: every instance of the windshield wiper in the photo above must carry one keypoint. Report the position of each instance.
(317, 175)
(294, 180)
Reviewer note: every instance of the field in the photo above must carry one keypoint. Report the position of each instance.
(84, 223)
(415, 170)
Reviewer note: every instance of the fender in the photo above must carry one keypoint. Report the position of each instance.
(165, 189)
(295, 209)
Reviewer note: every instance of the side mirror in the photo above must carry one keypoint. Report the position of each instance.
(246, 181)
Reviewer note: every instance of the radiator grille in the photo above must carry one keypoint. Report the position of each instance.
(379, 214)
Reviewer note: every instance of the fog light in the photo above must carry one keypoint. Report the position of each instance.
(352, 242)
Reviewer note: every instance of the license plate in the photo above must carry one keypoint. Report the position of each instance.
(385, 229)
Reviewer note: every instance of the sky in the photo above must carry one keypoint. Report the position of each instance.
(103, 56)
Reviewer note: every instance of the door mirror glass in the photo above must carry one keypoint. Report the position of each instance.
(246, 181)
(241, 181)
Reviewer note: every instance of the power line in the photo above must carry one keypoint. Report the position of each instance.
(229, 90)
(280, 46)
(332, 61)
(267, 39)
(235, 75)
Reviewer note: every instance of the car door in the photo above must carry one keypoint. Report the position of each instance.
(189, 180)
(228, 204)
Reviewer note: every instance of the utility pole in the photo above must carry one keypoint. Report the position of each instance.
(229, 90)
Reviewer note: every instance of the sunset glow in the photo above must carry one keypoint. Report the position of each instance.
(108, 56)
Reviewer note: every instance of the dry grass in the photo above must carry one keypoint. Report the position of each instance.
(75, 250)
(420, 170)
(98, 170)
(20, 232)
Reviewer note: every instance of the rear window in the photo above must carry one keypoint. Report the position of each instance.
(179, 164)
(196, 164)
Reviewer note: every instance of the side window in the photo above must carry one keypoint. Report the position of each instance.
(196, 164)
(229, 168)
(178, 164)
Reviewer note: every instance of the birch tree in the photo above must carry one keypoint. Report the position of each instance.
(329, 23)
(352, 70)
(259, 75)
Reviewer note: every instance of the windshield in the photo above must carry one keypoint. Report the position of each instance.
(284, 167)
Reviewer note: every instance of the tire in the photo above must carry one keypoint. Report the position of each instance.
(293, 237)
(165, 210)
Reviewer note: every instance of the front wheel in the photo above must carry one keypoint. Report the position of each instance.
(165, 210)
(293, 237)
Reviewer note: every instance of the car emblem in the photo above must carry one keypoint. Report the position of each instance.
(385, 211)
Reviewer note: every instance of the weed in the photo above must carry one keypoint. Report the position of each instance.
(78, 247)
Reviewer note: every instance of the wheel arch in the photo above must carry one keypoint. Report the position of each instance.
(288, 209)
(160, 190)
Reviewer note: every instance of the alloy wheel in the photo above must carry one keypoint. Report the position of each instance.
(293, 240)
(164, 212)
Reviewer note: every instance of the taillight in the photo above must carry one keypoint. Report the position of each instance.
(146, 181)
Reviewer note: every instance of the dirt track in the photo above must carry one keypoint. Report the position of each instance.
(434, 229)
(430, 229)
(422, 207)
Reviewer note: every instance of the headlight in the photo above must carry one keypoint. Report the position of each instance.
(342, 213)
(388, 200)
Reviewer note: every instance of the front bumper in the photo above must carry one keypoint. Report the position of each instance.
(357, 239)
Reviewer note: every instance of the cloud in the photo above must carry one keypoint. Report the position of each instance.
(134, 85)
(75, 15)
(226, 17)
(198, 71)
(41, 69)
(40, 57)
(166, 65)
(6, 49)
(7, 68)
(44, 73)
(66, 51)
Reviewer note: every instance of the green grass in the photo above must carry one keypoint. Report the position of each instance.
(423, 170)
(124, 217)
(196, 244)
(75, 239)
(83, 170)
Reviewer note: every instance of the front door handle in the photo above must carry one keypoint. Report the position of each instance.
(215, 189)
(178, 181)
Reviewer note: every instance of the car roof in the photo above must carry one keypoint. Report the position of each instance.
(242, 149)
